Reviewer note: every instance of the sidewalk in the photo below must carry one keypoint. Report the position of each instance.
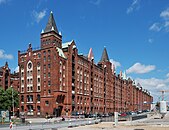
(110, 126)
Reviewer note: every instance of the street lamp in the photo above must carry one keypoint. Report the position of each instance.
(12, 101)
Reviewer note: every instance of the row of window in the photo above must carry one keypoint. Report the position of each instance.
(29, 98)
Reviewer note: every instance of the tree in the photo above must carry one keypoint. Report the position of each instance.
(2, 98)
(6, 98)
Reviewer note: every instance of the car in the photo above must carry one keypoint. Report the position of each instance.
(128, 113)
(139, 112)
(123, 114)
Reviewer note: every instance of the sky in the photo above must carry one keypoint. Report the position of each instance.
(134, 32)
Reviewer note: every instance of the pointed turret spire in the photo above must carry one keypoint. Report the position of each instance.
(113, 69)
(124, 75)
(104, 55)
(121, 74)
(51, 25)
(6, 64)
(42, 31)
(90, 55)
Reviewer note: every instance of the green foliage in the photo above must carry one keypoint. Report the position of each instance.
(6, 98)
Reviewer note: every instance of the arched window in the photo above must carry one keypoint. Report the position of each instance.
(38, 108)
(22, 108)
(38, 98)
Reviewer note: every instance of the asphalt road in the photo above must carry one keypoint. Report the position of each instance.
(154, 120)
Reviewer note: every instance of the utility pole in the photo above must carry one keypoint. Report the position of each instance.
(12, 101)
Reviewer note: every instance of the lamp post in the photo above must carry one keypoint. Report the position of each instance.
(12, 101)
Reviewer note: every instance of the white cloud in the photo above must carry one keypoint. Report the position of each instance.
(167, 75)
(138, 68)
(166, 26)
(3, 1)
(165, 14)
(95, 2)
(134, 6)
(150, 40)
(155, 27)
(5, 56)
(158, 26)
(17, 69)
(39, 15)
(115, 63)
(154, 85)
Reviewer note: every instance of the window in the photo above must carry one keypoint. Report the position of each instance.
(39, 55)
(22, 98)
(38, 80)
(31, 81)
(31, 73)
(44, 58)
(49, 92)
(49, 83)
(44, 75)
(38, 64)
(27, 73)
(29, 98)
(44, 53)
(31, 88)
(22, 89)
(48, 58)
(22, 74)
(44, 67)
(46, 103)
(38, 98)
(22, 82)
(49, 52)
(22, 108)
(38, 108)
(48, 75)
(28, 89)
(30, 108)
(38, 72)
(48, 65)
(38, 88)
(29, 66)
(28, 81)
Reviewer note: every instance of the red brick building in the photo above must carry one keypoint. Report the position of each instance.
(55, 79)
(8, 79)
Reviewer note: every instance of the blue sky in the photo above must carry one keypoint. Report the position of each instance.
(135, 33)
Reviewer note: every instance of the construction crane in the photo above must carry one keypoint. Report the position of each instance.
(163, 91)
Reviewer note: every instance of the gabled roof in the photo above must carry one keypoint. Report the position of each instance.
(51, 25)
(61, 54)
(66, 44)
(104, 56)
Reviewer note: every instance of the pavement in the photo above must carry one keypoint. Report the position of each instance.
(110, 126)
(153, 122)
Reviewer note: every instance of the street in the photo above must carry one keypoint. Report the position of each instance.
(153, 122)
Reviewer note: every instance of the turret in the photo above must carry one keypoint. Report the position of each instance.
(50, 36)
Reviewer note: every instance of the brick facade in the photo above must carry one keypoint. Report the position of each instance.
(55, 79)
(8, 79)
